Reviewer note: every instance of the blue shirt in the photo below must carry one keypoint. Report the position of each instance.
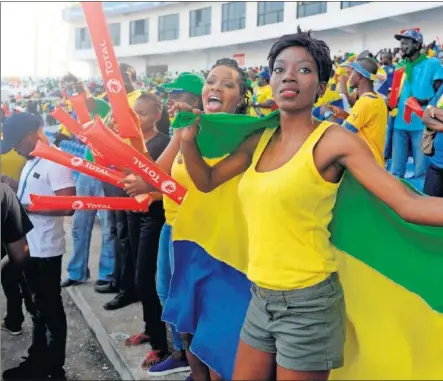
(384, 88)
(423, 77)
(437, 159)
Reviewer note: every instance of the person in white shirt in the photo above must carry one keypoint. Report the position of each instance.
(46, 246)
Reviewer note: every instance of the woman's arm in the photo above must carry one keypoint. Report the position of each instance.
(208, 178)
(353, 153)
(436, 123)
(135, 185)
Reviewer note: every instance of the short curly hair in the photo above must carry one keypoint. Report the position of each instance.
(318, 49)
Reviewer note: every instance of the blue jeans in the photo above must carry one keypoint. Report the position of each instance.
(165, 268)
(82, 225)
(402, 140)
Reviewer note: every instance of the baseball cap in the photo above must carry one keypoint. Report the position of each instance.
(264, 74)
(413, 34)
(185, 82)
(360, 69)
(16, 128)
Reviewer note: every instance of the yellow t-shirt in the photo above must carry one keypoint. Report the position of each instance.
(369, 119)
(262, 94)
(287, 212)
(133, 96)
(12, 164)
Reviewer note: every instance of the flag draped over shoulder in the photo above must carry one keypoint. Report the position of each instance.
(392, 271)
(209, 292)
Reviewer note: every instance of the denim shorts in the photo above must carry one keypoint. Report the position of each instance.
(305, 328)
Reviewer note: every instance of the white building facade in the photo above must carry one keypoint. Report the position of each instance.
(185, 36)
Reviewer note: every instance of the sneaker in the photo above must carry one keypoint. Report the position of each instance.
(169, 366)
(153, 358)
(27, 370)
(14, 331)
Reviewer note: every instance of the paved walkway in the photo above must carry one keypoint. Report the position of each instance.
(111, 327)
(85, 359)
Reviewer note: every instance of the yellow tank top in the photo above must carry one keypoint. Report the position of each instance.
(287, 212)
(180, 174)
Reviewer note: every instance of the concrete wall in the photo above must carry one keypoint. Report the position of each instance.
(368, 26)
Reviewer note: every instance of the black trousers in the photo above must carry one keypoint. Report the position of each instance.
(144, 232)
(43, 276)
(16, 290)
(124, 268)
(434, 181)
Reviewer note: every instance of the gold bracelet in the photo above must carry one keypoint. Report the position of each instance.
(431, 111)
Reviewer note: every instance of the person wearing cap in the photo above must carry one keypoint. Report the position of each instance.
(186, 88)
(369, 115)
(418, 82)
(381, 75)
(46, 246)
(262, 100)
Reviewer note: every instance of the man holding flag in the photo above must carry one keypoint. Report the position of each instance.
(419, 75)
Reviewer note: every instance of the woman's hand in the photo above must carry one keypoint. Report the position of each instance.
(135, 185)
(178, 107)
(188, 134)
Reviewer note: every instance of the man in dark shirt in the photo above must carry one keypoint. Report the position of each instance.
(15, 224)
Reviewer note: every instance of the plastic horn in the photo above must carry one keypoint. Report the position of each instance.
(77, 129)
(43, 203)
(104, 50)
(412, 106)
(78, 102)
(111, 144)
(84, 166)
(67, 120)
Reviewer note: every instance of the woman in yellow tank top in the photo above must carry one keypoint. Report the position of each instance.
(291, 176)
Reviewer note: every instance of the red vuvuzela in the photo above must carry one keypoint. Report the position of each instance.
(78, 164)
(125, 156)
(112, 78)
(44, 203)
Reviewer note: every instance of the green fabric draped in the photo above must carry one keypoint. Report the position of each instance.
(409, 65)
(221, 133)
